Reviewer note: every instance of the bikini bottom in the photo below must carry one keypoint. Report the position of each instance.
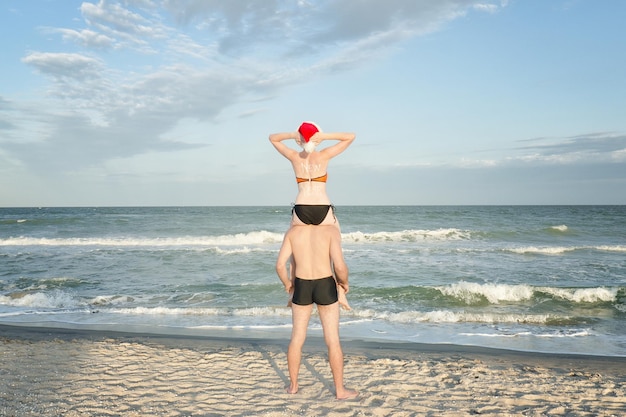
(312, 213)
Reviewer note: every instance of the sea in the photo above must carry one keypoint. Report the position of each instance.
(525, 278)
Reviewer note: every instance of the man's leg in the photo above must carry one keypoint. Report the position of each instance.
(329, 315)
(300, 316)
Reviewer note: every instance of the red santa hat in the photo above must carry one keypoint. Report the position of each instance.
(307, 130)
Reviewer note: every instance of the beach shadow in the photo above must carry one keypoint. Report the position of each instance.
(272, 363)
(325, 382)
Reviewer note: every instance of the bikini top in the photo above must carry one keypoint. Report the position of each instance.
(323, 178)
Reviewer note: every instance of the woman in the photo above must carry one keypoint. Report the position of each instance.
(312, 205)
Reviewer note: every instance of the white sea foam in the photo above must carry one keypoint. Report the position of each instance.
(494, 293)
(447, 316)
(235, 327)
(472, 293)
(579, 333)
(560, 228)
(46, 283)
(167, 311)
(615, 248)
(621, 307)
(556, 334)
(241, 239)
(497, 335)
(583, 295)
(549, 250)
(263, 311)
(559, 250)
(406, 236)
(60, 300)
(55, 299)
(203, 311)
(251, 238)
(237, 251)
(103, 300)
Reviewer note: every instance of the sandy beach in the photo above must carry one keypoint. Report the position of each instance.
(55, 372)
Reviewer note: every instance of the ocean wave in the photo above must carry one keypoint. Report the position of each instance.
(549, 250)
(60, 302)
(611, 248)
(29, 285)
(478, 295)
(56, 299)
(560, 228)
(272, 311)
(262, 237)
(59, 299)
(548, 335)
(407, 236)
(237, 251)
(474, 293)
(447, 316)
(251, 238)
(582, 295)
(167, 311)
(559, 250)
(106, 300)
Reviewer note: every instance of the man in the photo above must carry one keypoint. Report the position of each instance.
(317, 257)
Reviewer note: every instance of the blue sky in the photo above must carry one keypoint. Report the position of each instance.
(146, 102)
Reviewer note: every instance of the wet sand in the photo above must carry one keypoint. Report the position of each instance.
(56, 372)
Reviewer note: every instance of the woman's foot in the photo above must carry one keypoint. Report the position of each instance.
(343, 300)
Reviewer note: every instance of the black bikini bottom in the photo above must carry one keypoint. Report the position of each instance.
(312, 213)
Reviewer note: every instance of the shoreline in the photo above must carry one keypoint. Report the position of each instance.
(356, 345)
(35, 332)
(77, 372)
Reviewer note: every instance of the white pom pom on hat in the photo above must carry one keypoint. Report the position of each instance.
(307, 130)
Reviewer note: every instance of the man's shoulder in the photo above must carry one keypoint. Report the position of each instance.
(319, 230)
(329, 231)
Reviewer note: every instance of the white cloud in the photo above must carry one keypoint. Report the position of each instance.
(65, 66)
(489, 7)
(211, 55)
(87, 38)
(600, 147)
(619, 155)
(113, 18)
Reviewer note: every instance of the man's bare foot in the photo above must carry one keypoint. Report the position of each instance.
(343, 300)
(347, 394)
(291, 390)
